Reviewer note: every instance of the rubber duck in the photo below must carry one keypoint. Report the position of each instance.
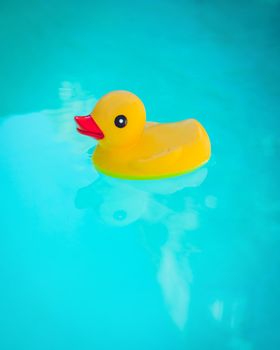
(131, 148)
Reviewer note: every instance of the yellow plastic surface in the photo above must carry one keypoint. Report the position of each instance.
(143, 150)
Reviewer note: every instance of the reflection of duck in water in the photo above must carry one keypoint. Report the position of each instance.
(121, 203)
(115, 205)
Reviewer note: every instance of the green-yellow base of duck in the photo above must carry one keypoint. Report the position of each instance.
(135, 177)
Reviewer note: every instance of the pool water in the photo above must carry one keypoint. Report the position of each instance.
(90, 262)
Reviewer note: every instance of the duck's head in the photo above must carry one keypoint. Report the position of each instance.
(117, 120)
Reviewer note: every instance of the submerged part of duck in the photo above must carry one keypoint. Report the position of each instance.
(131, 148)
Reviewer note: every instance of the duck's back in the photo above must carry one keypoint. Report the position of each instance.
(187, 135)
(162, 137)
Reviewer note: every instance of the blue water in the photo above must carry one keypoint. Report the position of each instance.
(90, 262)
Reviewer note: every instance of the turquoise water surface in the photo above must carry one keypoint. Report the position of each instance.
(90, 262)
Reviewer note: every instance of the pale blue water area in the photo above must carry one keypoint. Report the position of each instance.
(90, 262)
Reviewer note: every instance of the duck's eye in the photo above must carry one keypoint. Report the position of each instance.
(120, 121)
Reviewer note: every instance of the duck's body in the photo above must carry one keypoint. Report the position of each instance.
(159, 150)
(164, 150)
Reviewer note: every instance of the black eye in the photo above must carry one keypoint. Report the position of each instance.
(120, 121)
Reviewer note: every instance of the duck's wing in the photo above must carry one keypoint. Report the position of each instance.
(162, 161)
(171, 148)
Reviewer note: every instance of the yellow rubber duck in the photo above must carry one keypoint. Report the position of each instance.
(131, 148)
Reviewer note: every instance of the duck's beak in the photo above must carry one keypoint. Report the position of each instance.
(87, 126)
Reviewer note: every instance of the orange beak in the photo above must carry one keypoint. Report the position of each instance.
(87, 126)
